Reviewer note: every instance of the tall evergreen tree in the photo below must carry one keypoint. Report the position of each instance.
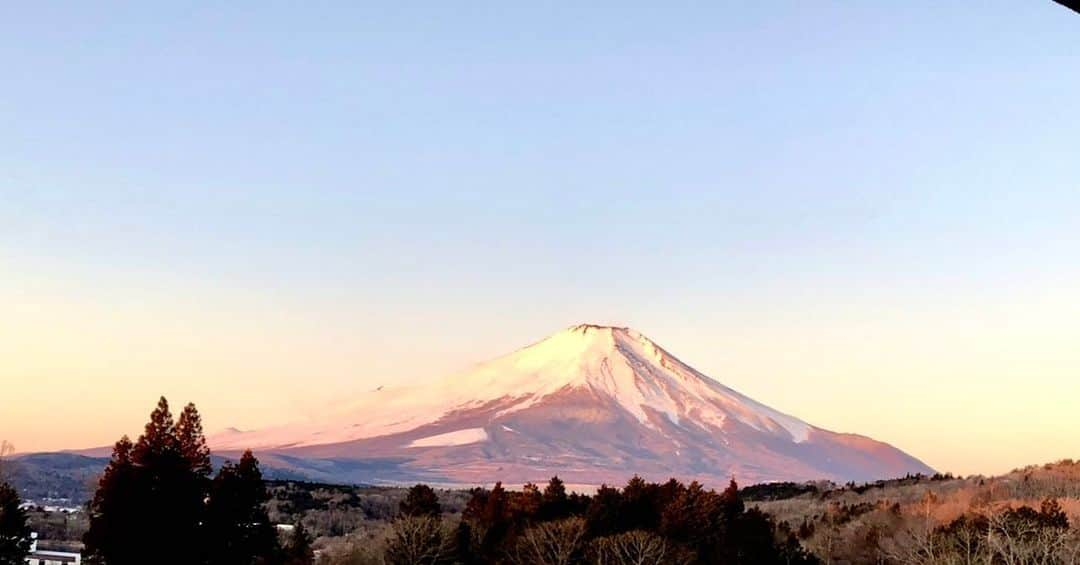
(554, 503)
(238, 528)
(488, 519)
(527, 503)
(693, 519)
(194, 479)
(732, 501)
(14, 531)
(298, 550)
(421, 501)
(189, 433)
(149, 501)
(604, 515)
(641, 510)
(158, 439)
(167, 497)
(115, 512)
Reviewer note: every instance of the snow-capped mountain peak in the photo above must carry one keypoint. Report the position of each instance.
(611, 385)
(623, 364)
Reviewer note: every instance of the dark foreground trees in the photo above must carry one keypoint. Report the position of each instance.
(14, 532)
(298, 550)
(642, 523)
(156, 502)
(421, 501)
(237, 527)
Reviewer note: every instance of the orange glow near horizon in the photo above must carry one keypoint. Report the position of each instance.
(935, 383)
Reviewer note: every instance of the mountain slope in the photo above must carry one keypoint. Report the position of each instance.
(591, 403)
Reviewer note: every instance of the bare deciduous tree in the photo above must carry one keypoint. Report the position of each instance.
(5, 450)
(418, 540)
(635, 548)
(1018, 541)
(552, 543)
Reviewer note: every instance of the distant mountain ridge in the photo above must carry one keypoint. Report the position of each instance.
(73, 477)
(593, 404)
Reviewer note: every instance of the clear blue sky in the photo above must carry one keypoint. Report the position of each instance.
(361, 192)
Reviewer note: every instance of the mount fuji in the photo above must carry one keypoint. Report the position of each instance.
(593, 404)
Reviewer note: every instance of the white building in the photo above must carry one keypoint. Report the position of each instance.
(42, 557)
(52, 558)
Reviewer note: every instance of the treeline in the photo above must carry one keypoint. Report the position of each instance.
(787, 489)
(1028, 516)
(339, 511)
(641, 523)
(158, 501)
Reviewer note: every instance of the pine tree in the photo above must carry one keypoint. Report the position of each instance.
(194, 478)
(693, 519)
(298, 551)
(189, 433)
(488, 520)
(239, 530)
(150, 498)
(169, 501)
(603, 517)
(732, 501)
(159, 436)
(640, 510)
(14, 531)
(464, 552)
(554, 503)
(421, 501)
(527, 505)
(115, 512)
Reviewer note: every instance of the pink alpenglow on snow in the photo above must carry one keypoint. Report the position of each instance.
(593, 404)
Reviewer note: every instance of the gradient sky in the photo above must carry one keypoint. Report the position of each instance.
(864, 214)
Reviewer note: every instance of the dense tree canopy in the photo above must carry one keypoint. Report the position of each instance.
(421, 501)
(666, 522)
(156, 501)
(14, 531)
(238, 529)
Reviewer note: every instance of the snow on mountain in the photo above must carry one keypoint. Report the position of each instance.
(592, 403)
